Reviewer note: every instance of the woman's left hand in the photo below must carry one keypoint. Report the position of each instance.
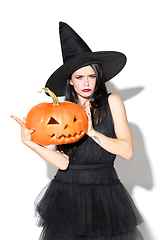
(88, 112)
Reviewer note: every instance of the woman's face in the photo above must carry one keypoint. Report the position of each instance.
(83, 81)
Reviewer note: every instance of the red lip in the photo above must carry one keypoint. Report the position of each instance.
(86, 90)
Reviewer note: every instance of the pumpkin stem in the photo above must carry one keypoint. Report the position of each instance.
(53, 96)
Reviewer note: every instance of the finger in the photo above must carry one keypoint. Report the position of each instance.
(32, 130)
(24, 120)
(88, 110)
(17, 119)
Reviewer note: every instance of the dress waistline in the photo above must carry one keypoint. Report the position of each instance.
(90, 166)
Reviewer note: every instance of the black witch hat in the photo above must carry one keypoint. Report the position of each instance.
(77, 54)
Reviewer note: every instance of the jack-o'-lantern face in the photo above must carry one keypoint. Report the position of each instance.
(65, 123)
(67, 127)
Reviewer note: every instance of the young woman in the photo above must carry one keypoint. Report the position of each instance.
(86, 200)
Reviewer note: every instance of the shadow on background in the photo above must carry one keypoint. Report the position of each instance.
(137, 171)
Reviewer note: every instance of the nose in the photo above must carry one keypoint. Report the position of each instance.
(86, 81)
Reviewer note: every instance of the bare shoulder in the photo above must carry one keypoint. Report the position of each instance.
(117, 107)
(115, 100)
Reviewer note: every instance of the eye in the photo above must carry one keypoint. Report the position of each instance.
(92, 76)
(52, 121)
(79, 77)
(75, 118)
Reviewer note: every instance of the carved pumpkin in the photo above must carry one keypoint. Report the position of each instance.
(58, 123)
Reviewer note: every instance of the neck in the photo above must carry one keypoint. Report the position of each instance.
(81, 101)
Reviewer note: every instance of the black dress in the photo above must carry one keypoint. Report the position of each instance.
(87, 201)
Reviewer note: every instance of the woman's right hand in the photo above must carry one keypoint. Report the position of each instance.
(25, 133)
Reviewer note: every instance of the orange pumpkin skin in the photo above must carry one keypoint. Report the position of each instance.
(61, 124)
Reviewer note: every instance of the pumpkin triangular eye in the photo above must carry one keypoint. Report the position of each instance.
(66, 126)
(52, 121)
(75, 118)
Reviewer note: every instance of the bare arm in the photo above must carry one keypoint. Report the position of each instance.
(123, 145)
(55, 158)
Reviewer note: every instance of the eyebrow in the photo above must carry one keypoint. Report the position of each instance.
(79, 75)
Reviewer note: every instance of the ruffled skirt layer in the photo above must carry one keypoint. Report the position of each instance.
(87, 205)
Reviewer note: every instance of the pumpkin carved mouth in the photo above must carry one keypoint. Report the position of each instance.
(69, 136)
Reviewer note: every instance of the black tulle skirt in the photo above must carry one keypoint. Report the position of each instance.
(87, 203)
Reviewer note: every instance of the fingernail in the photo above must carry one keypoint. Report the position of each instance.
(89, 114)
(33, 129)
(11, 116)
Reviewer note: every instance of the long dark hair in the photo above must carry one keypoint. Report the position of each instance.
(96, 100)
(99, 93)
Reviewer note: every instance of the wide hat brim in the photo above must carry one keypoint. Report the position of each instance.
(112, 63)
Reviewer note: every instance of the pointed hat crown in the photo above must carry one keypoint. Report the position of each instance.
(72, 44)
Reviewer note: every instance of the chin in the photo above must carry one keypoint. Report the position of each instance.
(86, 96)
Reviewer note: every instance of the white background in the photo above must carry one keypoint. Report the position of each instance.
(30, 52)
